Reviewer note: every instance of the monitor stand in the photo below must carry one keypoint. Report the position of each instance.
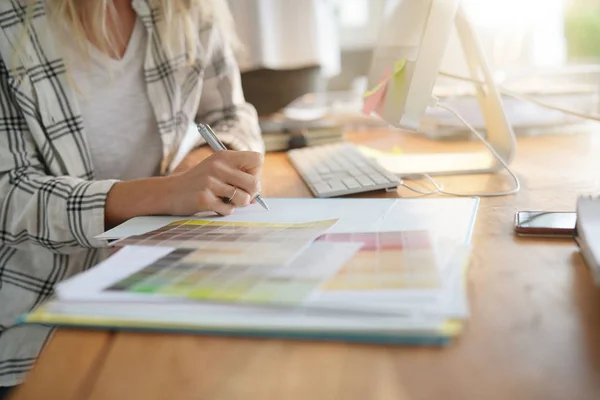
(499, 132)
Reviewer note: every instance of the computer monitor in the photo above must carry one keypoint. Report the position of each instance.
(418, 31)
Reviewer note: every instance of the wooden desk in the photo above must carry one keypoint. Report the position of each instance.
(534, 332)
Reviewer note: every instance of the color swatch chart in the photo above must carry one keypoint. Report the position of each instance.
(386, 260)
(184, 273)
(234, 243)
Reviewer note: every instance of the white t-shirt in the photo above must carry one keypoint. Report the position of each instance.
(118, 119)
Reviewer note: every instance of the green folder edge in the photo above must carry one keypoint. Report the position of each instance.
(442, 337)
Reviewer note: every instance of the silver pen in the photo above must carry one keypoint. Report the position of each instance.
(213, 141)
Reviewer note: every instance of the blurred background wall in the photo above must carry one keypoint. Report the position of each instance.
(305, 46)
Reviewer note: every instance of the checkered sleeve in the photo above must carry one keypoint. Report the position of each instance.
(222, 102)
(60, 213)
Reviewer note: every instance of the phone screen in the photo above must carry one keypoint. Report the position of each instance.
(545, 223)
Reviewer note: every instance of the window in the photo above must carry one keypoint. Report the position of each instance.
(528, 32)
(358, 22)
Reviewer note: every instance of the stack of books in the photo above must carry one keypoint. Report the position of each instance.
(282, 134)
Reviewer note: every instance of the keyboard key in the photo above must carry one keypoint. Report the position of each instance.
(377, 178)
(351, 183)
(334, 166)
(365, 181)
(338, 176)
(391, 177)
(314, 178)
(323, 188)
(368, 170)
(359, 162)
(336, 185)
(344, 164)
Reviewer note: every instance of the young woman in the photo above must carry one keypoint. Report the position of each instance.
(96, 97)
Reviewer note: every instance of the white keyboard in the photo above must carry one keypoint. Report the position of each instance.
(340, 169)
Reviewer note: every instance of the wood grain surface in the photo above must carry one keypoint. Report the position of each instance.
(534, 330)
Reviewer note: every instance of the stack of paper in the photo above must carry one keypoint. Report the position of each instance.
(382, 270)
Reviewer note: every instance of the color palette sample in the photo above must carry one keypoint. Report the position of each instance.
(180, 274)
(231, 261)
(260, 263)
(236, 243)
(386, 260)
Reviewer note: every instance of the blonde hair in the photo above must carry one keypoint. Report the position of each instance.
(88, 18)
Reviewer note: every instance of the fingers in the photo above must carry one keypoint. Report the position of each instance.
(238, 197)
(235, 177)
(246, 182)
(248, 161)
(224, 175)
(208, 201)
(222, 208)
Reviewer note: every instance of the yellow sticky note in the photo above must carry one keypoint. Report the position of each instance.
(399, 66)
(398, 79)
(375, 97)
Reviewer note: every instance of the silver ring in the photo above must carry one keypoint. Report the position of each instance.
(233, 195)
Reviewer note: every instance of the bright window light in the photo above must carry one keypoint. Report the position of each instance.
(352, 13)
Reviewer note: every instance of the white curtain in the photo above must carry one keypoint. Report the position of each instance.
(287, 34)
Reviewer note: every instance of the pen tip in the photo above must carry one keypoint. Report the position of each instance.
(260, 201)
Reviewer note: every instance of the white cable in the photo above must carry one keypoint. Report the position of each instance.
(439, 189)
(549, 106)
(436, 191)
(461, 78)
(525, 97)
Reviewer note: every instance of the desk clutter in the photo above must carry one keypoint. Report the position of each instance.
(587, 233)
(280, 133)
(368, 270)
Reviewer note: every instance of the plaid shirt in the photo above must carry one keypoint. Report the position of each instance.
(50, 205)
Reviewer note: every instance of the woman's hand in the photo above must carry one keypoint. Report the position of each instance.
(229, 175)
(224, 175)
